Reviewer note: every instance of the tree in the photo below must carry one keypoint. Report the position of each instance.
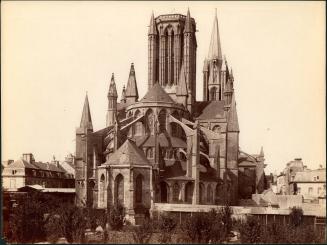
(116, 217)
(251, 231)
(296, 216)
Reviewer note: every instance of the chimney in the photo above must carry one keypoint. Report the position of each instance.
(28, 157)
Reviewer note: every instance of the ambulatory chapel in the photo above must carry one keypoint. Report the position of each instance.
(167, 147)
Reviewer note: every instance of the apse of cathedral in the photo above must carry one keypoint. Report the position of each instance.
(167, 147)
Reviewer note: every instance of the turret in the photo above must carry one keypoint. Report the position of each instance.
(182, 92)
(82, 152)
(232, 150)
(152, 53)
(189, 59)
(112, 102)
(131, 93)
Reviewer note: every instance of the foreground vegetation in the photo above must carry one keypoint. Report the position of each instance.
(38, 219)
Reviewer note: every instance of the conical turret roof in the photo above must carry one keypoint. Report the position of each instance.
(232, 120)
(131, 89)
(86, 121)
(157, 94)
(215, 45)
(128, 154)
(188, 23)
(123, 94)
(152, 27)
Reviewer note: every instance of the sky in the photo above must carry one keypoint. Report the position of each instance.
(52, 53)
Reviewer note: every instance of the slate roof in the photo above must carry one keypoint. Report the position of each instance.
(49, 167)
(128, 153)
(211, 110)
(22, 164)
(157, 94)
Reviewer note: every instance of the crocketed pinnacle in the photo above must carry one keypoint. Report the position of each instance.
(152, 27)
(112, 87)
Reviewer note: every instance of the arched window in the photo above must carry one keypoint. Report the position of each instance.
(102, 189)
(138, 125)
(164, 192)
(189, 192)
(162, 120)
(139, 187)
(150, 121)
(119, 189)
(149, 152)
(176, 192)
(209, 195)
(213, 91)
(202, 193)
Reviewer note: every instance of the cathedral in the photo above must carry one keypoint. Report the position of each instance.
(167, 147)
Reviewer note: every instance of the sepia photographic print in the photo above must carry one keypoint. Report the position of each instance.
(169, 122)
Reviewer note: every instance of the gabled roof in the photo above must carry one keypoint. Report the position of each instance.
(131, 88)
(49, 167)
(128, 154)
(215, 109)
(157, 94)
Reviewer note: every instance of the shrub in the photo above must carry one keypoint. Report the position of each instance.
(143, 233)
(251, 231)
(296, 216)
(204, 227)
(27, 221)
(116, 217)
(166, 226)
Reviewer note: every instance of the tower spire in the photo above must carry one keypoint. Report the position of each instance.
(215, 45)
(131, 92)
(86, 121)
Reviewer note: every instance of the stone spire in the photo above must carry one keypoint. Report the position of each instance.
(215, 45)
(188, 23)
(131, 92)
(112, 87)
(232, 119)
(152, 27)
(86, 121)
(123, 95)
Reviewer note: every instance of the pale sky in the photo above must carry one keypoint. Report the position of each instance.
(53, 52)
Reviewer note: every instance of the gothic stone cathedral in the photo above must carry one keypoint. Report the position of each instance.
(167, 147)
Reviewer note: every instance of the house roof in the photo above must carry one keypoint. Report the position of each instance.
(49, 167)
(128, 153)
(157, 94)
(215, 109)
(22, 164)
